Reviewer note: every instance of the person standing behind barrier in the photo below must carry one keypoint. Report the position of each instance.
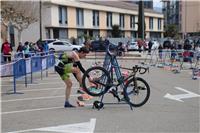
(160, 48)
(20, 50)
(71, 64)
(26, 49)
(140, 44)
(87, 44)
(20, 47)
(46, 47)
(6, 50)
(150, 44)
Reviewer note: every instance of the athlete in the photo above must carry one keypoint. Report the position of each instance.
(70, 63)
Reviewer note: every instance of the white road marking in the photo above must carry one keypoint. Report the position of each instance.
(38, 109)
(181, 96)
(32, 90)
(85, 127)
(37, 98)
(53, 82)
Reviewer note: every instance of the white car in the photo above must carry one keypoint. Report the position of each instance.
(133, 46)
(62, 46)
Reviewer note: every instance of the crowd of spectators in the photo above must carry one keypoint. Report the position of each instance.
(23, 50)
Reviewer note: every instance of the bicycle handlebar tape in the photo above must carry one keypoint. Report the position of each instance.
(142, 72)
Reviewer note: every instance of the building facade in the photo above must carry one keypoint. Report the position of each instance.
(147, 3)
(184, 14)
(189, 17)
(171, 12)
(67, 19)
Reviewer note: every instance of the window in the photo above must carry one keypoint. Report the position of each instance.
(109, 19)
(121, 20)
(62, 15)
(58, 43)
(159, 24)
(132, 21)
(66, 43)
(95, 18)
(79, 17)
(151, 23)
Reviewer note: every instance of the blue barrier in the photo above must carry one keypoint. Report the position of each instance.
(36, 65)
(50, 60)
(19, 70)
(22, 67)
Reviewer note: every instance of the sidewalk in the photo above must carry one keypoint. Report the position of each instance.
(131, 55)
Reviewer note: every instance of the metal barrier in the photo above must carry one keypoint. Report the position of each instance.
(24, 66)
(175, 60)
(19, 70)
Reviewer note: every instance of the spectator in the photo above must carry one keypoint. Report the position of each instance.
(74, 41)
(187, 45)
(160, 51)
(6, 50)
(20, 50)
(120, 49)
(20, 47)
(35, 47)
(167, 44)
(26, 49)
(87, 44)
(140, 44)
(31, 48)
(150, 44)
(46, 47)
(39, 45)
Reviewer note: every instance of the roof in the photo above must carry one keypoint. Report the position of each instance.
(119, 4)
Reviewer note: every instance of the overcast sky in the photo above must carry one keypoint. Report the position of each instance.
(157, 3)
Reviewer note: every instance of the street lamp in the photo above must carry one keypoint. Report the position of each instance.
(141, 20)
(40, 23)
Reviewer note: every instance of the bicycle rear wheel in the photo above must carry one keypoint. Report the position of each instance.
(136, 95)
(100, 81)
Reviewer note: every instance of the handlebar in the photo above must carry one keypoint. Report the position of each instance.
(141, 70)
(136, 68)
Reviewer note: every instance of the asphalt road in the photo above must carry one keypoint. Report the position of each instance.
(39, 107)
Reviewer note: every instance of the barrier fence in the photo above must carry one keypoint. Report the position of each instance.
(175, 60)
(22, 67)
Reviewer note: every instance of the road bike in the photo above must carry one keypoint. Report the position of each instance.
(134, 90)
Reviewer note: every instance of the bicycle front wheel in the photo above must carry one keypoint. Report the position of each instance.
(100, 81)
(136, 94)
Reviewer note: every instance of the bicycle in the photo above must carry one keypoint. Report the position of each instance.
(103, 81)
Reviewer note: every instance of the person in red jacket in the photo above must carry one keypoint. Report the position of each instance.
(6, 50)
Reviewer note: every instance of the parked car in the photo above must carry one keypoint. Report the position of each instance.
(63, 46)
(133, 46)
(99, 46)
(49, 40)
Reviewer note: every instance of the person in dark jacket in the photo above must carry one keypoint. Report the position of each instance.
(150, 44)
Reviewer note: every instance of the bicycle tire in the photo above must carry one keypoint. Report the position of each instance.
(101, 83)
(136, 94)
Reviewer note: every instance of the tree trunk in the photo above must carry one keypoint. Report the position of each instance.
(19, 36)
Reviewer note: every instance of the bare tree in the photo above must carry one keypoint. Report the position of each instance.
(19, 14)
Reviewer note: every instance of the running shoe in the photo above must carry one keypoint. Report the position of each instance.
(68, 105)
